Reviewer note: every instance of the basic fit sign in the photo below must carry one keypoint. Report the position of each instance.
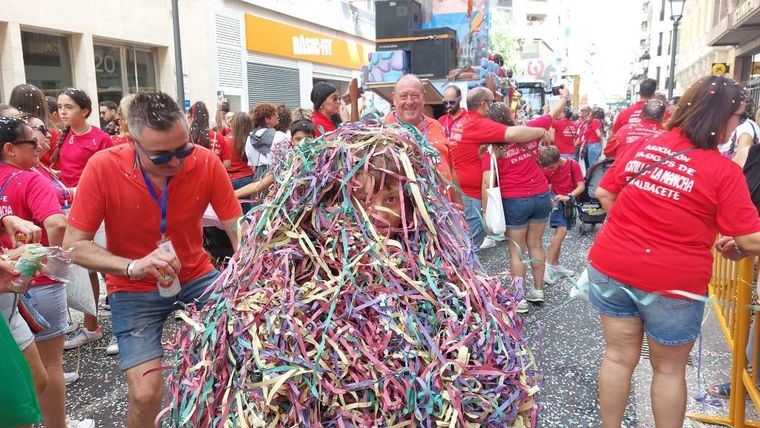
(277, 38)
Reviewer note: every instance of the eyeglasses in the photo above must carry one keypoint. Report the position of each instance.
(32, 141)
(42, 128)
(455, 101)
(164, 157)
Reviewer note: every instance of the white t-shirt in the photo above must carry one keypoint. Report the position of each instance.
(748, 127)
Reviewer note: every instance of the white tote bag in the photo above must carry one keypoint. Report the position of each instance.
(494, 215)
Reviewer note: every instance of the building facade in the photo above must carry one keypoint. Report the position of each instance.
(247, 51)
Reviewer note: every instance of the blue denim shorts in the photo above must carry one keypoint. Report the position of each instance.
(138, 319)
(557, 218)
(666, 320)
(50, 302)
(532, 209)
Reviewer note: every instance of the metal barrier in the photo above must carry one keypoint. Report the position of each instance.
(731, 291)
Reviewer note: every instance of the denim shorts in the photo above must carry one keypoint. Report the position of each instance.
(50, 302)
(138, 319)
(667, 321)
(532, 209)
(16, 324)
(557, 218)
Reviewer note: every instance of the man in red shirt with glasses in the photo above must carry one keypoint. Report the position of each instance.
(452, 101)
(151, 194)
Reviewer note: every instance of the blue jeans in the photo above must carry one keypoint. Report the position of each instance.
(667, 320)
(557, 218)
(531, 209)
(240, 182)
(472, 208)
(593, 152)
(138, 318)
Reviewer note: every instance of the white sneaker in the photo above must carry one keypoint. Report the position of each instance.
(523, 307)
(488, 242)
(535, 296)
(550, 277)
(84, 423)
(563, 271)
(113, 346)
(71, 328)
(82, 337)
(70, 377)
(499, 238)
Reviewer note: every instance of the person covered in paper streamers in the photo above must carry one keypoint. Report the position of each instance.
(667, 196)
(356, 301)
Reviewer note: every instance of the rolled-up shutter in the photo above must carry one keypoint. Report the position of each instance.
(272, 84)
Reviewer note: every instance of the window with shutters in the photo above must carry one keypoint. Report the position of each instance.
(272, 84)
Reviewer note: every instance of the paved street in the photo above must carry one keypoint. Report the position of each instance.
(565, 336)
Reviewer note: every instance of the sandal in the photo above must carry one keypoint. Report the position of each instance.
(721, 390)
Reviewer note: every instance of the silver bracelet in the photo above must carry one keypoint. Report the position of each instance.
(739, 250)
(129, 268)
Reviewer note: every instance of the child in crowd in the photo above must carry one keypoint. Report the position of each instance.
(566, 181)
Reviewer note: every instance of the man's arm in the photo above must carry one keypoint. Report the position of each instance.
(559, 108)
(523, 134)
(94, 257)
(55, 226)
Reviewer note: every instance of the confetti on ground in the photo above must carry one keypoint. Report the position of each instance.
(328, 317)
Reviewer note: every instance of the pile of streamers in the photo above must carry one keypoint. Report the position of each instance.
(323, 319)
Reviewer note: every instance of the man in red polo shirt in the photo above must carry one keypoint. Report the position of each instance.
(452, 99)
(151, 194)
(631, 114)
(650, 123)
(468, 135)
(565, 131)
(408, 101)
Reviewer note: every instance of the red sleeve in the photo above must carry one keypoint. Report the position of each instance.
(620, 120)
(544, 121)
(485, 162)
(615, 178)
(224, 150)
(41, 199)
(577, 175)
(611, 147)
(88, 209)
(105, 142)
(736, 215)
(223, 198)
(491, 131)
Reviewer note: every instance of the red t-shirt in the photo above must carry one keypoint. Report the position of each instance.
(565, 132)
(520, 175)
(659, 234)
(565, 178)
(61, 191)
(112, 189)
(467, 136)
(587, 130)
(116, 139)
(55, 135)
(217, 146)
(238, 167)
(318, 119)
(448, 121)
(76, 150)
(31, 197)
(628, 115)
(629, 134)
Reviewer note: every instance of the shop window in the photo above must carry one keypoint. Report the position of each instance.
(47, 61)
(122, 70)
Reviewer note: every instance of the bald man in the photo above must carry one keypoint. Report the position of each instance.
(408, 103)
(467, 135)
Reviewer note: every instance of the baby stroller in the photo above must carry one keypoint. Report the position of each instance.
(590, 211)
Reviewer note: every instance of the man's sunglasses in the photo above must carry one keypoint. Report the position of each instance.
(164, 157)
(32, 141)
(450, 102)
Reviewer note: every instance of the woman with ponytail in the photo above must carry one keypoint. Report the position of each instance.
(202, 135)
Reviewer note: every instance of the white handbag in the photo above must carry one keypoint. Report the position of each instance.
(494, 215)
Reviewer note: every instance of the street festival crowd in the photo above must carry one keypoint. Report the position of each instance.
(130, 200)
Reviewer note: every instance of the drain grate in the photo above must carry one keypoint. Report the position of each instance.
(645, 353)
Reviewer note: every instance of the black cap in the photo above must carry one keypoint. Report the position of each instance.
(320, 92)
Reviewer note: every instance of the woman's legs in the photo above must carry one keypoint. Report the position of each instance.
(552, 254)
(536, 253)
(53, 398)
(669, 383)
(623, 338)
(516, 250)
(39, 375)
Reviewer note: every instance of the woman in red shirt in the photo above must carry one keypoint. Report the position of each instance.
(590, 135)
(326, 100)
(240, 172)
(32, 197)
(202, 135)
(667, 198)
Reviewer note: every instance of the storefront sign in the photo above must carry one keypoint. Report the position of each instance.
(276, 38)
(719, 68)
(745, 9)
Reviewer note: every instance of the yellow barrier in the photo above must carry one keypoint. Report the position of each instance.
(731, 290)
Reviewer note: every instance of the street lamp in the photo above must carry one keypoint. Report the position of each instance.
(645, 62)
(676, 13)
